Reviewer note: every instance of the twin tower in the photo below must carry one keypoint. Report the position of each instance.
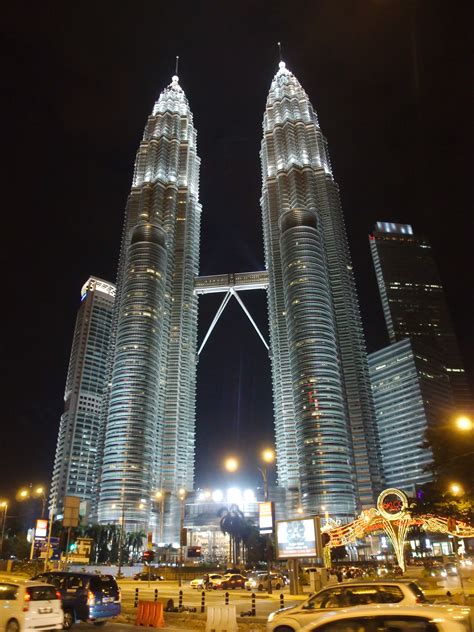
(325, 433)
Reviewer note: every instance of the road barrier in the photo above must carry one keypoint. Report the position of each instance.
(150, 614)
(203, 601)
(253, 609)
(156, 595)
(135, 601)
(180, 599)
(282, 601)
(221, 619)
(226, 599)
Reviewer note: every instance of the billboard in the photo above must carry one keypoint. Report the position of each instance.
(265, 517)
(300, 537)
(41, 530)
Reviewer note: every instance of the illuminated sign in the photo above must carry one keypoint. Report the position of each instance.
(265, 517)
(41, 530)
(298, 538)
(392, 504)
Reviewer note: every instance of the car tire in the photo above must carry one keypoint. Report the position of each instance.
(277, 587)
(12, 626)
(68, 619)
(283, 628)
(260, 587)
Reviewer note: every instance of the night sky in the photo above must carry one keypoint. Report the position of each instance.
(390, 82)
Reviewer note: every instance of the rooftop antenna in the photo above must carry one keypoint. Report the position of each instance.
(279, 50)
(176, 66)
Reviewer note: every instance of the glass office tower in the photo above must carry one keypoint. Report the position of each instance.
(148, 433)
(411, 393)
(76, 451)
(326, 438)
(413, 299)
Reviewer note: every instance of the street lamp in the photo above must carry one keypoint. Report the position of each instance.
(456, 489)
(268, 457)
(4, 506)
(464, 423)
(160, 497)
(25, 493)
(231, 464)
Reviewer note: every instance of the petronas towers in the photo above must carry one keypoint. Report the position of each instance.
(327, 451)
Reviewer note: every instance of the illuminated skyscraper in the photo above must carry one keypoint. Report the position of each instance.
(325, 428)
(148, 434)
(73, 473)
(411, 393)
(413, 299)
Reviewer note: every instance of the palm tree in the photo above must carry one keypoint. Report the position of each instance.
(234, 523)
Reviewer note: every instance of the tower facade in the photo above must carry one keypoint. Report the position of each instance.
(411, 393)
(413, 299)
(326, 438)
(76, 450)
(149, 420)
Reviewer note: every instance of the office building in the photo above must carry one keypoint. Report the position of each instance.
(411, 393)
(325, 430)
(413, 299)
(76, 451)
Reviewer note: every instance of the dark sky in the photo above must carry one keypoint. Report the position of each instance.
(79, 81)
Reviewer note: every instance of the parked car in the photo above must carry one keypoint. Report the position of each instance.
(259, 581)
(29, 606)
(211, 581)
(435, 570)
(451, 569)
(383, 618)
(152, 576)
(85, 596)
(343, 595)
(232, 581)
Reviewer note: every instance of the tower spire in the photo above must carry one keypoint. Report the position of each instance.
(279, 51)
(175, 78)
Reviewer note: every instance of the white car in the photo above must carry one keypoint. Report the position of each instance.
(213, 582)
(389, 618)
(27, 606)
(343, 595)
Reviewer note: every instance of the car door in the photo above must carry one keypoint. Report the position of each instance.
(9, 606)
(75, 595)
(331, 598)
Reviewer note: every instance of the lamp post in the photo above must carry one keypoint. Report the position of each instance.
(160, 496)
(268, 457)
(182, 500)
(38, 491)
(4, 506)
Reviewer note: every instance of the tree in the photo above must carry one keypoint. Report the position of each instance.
(234, 523)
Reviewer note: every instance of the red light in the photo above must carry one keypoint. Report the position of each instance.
(58, 595)
(27, 598)
(90, 598)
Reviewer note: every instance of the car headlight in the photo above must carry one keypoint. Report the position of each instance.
(271, 616)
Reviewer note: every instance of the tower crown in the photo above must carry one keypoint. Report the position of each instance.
(172, 99)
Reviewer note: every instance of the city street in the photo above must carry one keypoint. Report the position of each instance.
(192, 598)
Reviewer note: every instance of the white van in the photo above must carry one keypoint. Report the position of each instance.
(29, 606)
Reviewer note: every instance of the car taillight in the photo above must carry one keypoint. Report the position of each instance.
(419, 600)
(90, 598)
(58, 595)
(27, 599)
